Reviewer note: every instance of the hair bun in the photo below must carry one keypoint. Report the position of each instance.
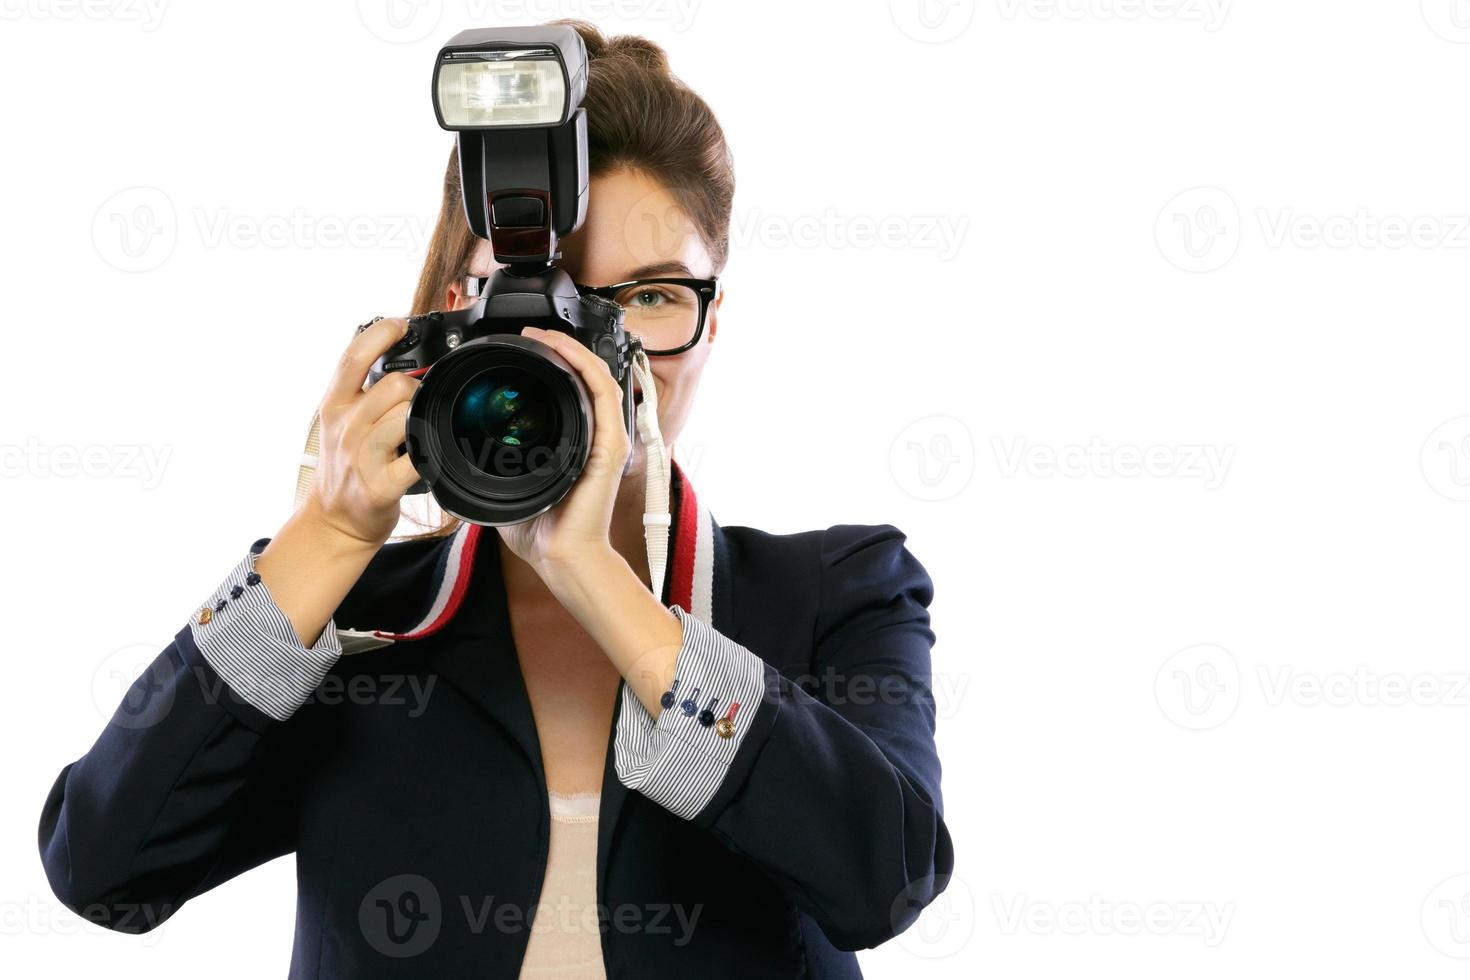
(641, 50)
(635, 50)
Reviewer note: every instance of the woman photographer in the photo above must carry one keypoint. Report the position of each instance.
(736, 777)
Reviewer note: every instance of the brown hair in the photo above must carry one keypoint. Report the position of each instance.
(640, 116)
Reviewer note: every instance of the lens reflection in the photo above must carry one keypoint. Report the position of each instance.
(503, 422)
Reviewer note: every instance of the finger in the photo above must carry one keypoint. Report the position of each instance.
(609, 431)
(392, 389)
(381, 442)
(386, 473)
(365, 348)
(402, 474)
(593, 369)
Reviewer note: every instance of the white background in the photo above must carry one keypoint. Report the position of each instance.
(1145, 320)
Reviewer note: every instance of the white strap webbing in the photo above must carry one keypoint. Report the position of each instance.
(656, 476)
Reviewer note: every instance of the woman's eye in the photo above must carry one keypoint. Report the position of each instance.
(647, 297)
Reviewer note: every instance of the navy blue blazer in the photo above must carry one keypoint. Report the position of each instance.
(420, 825)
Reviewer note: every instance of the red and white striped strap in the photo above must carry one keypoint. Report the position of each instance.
(453, 576)
(690, 585)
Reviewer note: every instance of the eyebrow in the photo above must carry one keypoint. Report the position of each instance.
(659, 269)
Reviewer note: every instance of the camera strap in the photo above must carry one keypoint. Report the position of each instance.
(656, 474)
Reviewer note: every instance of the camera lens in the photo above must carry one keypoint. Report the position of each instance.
(500, 429)
(503, 422)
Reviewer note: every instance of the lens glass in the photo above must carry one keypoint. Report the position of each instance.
(505, 423)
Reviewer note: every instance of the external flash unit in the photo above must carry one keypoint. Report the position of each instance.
(500, 426)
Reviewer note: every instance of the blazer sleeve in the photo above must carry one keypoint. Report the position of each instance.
(193, 780)
(835, 794)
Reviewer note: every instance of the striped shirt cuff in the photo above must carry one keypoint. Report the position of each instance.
(250, 643)
(679, 761)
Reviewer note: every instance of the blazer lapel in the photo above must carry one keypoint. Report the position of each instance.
(698, 580)
(454, 586)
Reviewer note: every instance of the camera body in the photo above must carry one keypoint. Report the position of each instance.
(492, 469)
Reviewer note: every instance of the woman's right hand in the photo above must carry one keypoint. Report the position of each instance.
(360, 477)
(311, 564)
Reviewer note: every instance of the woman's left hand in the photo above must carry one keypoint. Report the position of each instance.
(576, 529)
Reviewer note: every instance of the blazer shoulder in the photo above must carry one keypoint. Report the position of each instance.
(838, 555)
(874, 559)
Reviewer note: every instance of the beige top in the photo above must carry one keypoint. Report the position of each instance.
(566, 943)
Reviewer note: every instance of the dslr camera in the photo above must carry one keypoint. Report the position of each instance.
(500, 426)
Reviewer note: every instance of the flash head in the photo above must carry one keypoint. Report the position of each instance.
(506, 77)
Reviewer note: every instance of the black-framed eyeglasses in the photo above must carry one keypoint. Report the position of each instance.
(667, 313)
